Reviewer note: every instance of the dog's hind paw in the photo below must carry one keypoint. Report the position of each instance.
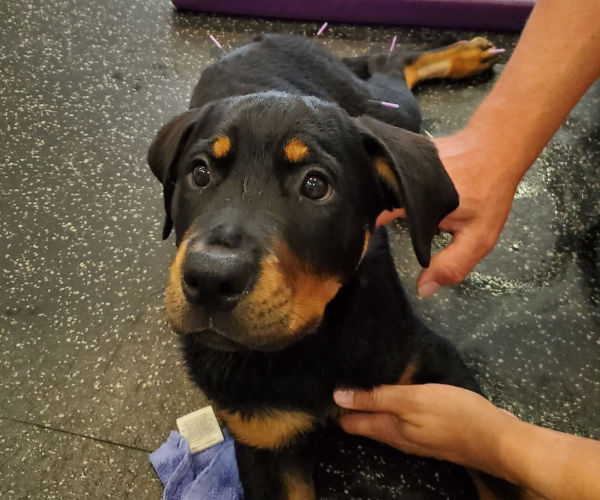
(471, 57)
(459, 60)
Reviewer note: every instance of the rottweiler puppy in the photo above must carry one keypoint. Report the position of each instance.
(282, 289)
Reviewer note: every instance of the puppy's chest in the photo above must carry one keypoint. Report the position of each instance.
(272, 409)
(269, 428)
(280, 420)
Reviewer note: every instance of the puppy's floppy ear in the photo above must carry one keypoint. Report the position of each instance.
(412, 176)
(165, 151)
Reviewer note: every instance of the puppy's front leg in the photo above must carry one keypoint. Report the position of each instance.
(277, 474)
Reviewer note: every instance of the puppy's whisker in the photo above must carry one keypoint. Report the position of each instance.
(304, 321)
(162, 290)
(290, 331)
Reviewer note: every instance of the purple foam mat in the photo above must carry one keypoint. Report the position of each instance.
(465, 14)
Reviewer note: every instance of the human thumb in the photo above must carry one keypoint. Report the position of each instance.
(452, 264)
(377, 400)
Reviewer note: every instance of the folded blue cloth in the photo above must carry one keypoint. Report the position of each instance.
(209, 475)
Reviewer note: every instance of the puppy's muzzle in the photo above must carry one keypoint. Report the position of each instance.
(217, 277)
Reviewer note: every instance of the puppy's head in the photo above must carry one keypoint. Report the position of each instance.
(273, 198)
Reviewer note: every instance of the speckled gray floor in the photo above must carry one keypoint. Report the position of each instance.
(90, 378)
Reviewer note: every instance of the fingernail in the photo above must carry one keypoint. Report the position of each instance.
(496, 51)
(428, 289)
(344, 398)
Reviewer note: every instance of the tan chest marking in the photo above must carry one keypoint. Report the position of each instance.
(268, 431)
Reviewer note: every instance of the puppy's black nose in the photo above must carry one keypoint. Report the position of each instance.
(217, 278)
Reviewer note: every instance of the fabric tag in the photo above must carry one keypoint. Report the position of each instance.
(200, 429)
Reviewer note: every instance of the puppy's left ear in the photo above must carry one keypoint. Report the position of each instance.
(412, 177)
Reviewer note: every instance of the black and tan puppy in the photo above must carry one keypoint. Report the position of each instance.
(282, 289)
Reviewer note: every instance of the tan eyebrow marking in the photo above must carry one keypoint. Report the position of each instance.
(221, 146)
(296, 150)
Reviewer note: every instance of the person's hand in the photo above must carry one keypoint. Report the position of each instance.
(486, 179)
(432, 420)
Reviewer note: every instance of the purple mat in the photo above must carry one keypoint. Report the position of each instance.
(466, 14)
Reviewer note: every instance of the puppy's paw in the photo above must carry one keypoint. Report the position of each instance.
(468, 58)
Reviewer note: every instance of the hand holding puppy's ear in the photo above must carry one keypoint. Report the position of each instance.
(412, 177)
(484, 175)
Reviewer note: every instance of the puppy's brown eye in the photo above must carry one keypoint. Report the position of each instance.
(201, 175)
(315, 187)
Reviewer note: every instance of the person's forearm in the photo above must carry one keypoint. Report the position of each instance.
(554, 465)
(555, 62)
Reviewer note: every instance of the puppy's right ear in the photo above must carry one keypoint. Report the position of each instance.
(164, 153)
(413, 177)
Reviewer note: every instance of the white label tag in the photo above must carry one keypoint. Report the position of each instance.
(201, 429)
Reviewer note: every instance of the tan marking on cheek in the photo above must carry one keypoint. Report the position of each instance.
(298, 488)
(271, 280)
(221, 146)
(175, 301)
(287, 297)
(268, 431)
(296, 150)
(311, 292)
(183, 317)
(384, 171)
(266, 309)
(311, 296)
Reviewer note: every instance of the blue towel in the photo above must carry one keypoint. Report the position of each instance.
(209, 475)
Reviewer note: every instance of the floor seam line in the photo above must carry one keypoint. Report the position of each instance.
(71, 433)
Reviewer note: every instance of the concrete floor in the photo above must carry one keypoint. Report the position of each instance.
(90, 375)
